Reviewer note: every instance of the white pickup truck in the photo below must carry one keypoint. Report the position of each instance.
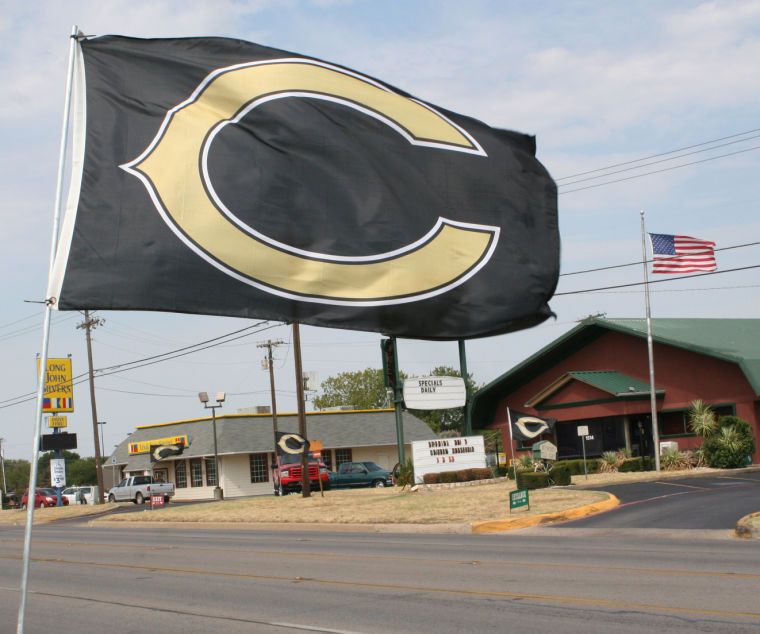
(137, 489)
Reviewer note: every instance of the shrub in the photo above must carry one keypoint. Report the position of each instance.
(448, 477)
(576, 465)
(405, 475)
(560, 475)
(502, 472)
(730, 445)
(464, 475)
(481, 473)
(609, 462)
(431, 478)
(625, 452)
(647, 463)
(632, 464)
(671, 459)
(531, 480)
(526, 462)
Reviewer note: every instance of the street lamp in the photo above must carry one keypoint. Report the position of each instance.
(220, 396)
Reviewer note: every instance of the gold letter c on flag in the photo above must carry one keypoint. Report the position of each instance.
(173, 168)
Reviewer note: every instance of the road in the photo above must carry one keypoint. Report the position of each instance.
(126, 579)
(710, 502)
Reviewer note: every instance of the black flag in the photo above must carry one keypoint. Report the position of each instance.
(289, 443)
(528, 427)
(216, 176)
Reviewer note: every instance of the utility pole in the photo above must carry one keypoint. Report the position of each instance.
(2, 464)
(88, 324)
(270, 366)
(305, 483)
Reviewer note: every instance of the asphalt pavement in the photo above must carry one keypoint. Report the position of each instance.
(701, 502)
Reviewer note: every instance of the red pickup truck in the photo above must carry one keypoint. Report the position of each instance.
(286, 474)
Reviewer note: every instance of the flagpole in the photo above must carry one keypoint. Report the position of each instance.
(652, 395)
(45, 340)
(512, 443)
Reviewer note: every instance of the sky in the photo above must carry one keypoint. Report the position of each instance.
(646, 106)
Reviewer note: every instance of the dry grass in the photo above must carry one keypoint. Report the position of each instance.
(595, 479)
(17, 517)
(374, 506)
(370, 506)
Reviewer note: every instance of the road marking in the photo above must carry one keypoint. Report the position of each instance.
(687, 486)
(547, 598)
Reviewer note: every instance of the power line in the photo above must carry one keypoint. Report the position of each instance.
(672, 158)
(646, 158)
(116, 369)
(639, 263)
(665, 169)
(669, 279)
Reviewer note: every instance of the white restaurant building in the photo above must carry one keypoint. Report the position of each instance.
(245, 448)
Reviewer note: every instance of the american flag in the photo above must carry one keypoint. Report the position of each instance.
(681, 254)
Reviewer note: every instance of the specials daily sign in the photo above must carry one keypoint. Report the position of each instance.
(447, 454)
(434, 392)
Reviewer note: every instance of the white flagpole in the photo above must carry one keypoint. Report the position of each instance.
(512, 443)
(45, 339)
(652, 396)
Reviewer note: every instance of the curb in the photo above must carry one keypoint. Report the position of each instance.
(745, 530)
(497, 526)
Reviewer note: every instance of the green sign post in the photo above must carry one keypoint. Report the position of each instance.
(518, 498)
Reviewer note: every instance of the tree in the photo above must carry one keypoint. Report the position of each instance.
(17, 475)
(363, 389)
(446, 420)
(78, 470)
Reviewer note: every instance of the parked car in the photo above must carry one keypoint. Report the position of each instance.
(89, 492)
(360, 474)
(43, 498)
(138, 489)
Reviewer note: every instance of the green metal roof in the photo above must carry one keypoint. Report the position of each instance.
(613, 382)
(733, 340)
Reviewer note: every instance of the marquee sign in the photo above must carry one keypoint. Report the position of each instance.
(434, 392)
(447, 454)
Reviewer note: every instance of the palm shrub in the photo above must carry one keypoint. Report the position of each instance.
(608, 463)
(526, 462)
(702, 420)
(672, 459)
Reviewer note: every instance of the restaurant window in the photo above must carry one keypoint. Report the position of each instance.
(196, 473)
(341, 456)
(258, 464)
(180, 474)
(327, 458)
(161, 475)
(211, 472)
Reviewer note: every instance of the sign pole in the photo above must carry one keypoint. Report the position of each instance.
(512, 443)
(468, 398)
(652, 396)
(397, 401)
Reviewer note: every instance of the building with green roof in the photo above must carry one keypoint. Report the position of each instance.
(597, 375)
